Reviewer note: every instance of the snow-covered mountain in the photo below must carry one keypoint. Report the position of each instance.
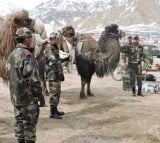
(133, 12)
(61, 12)
(96, 14)
(72, 12)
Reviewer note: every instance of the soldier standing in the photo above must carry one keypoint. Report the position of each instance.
(54, 75)
(135, 57)
(134, 52)
(25, 87)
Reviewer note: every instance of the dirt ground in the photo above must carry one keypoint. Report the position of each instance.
(112, 116)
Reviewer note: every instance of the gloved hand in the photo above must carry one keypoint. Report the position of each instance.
(41, 101)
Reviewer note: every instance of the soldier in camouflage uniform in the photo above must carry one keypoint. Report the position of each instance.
(25, 87)
(54, 75)
(135, 57)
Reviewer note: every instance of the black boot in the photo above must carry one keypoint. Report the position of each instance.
(59, 113)
(133, 91)
(139, 91)
(53, 113)
(29, 141)
(21, 141)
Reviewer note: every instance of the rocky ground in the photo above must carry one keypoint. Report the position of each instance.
(112, 116)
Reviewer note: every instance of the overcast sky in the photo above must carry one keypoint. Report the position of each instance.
(26, 4)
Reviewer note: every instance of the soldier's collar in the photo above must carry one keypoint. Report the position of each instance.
(21, 45)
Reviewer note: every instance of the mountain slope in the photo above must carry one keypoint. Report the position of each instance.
(96, 14)
(132, 13)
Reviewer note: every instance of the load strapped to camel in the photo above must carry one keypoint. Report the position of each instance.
(67, 44)
(8, 27)
(7, 31)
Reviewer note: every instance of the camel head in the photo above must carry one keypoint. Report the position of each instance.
(69, 33)
(108, 53)
(110, 38)
(114, 31)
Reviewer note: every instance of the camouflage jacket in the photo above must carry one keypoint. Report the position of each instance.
(53, 66)
(134, 53)
(24, 81)
(125, 49)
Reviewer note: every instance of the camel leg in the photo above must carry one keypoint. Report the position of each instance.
(89, 93)
(82, 93)
(69, 67)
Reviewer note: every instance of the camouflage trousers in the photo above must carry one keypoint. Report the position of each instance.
(26, 118)
(135, 76)
(54, 89)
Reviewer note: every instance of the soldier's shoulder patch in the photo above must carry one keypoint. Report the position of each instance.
(27, 53)
(49, 48)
